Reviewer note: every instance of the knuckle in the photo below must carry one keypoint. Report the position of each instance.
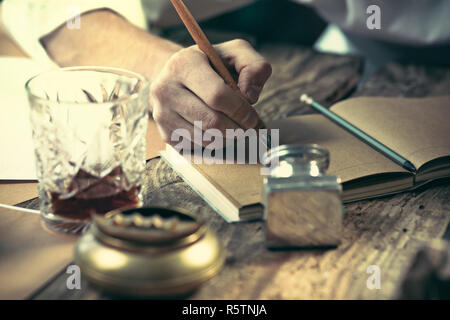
(158, 90)
(201, 115)
(212, 121)
(160, 116)
(242, 43)
(173, 66)
(217, 97)
(166, 138)
(239, 111)
(183, 60)
(170, 142)
(194, 47)
(177, 61)
(197, 56)
(266, 68)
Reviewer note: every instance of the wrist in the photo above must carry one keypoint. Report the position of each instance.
(154, 54)
(107, 39)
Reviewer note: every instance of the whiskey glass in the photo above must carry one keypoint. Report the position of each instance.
(89, 127)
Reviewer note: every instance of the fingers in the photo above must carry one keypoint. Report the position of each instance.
(188, 89)
(180, 111)
(171, 125)
(191, 108)
(252, 68)
(216, 94)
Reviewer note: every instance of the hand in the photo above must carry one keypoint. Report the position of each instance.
(188, 89)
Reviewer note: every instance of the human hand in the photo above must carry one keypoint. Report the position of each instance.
(188, 89)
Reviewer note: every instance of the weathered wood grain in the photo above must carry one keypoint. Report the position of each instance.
(326, 77)
(296, 70)
(399, 79)
(384, 232)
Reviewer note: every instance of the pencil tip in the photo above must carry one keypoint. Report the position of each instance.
(409, 166)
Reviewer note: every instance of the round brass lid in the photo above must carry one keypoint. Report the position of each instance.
(151, 251)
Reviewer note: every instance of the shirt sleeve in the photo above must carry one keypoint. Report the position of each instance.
(27, 21)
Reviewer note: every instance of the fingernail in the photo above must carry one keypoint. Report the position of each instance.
(253, 93)
(250, 120)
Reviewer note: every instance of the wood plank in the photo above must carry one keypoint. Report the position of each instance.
(296, 70)
(400, 79)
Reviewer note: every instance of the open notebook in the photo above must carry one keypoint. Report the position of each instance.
(418, 129)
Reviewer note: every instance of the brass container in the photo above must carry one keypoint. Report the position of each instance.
(149, 252)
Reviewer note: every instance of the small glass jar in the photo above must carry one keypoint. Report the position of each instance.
(312, 160)
(302, 204)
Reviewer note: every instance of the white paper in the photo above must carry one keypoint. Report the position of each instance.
(16, 145)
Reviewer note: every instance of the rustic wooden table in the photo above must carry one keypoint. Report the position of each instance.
(384, 232)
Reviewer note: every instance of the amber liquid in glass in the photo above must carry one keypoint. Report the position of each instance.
(97, 196)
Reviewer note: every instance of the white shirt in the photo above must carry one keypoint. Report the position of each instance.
(416, 22)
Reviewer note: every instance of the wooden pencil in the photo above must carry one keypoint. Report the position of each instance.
(205, 45)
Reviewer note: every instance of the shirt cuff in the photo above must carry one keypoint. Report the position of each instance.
(27, 21)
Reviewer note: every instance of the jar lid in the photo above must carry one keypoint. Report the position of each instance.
(303, 157)
(150, 251)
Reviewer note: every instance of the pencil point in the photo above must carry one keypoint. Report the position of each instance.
(409, 166)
